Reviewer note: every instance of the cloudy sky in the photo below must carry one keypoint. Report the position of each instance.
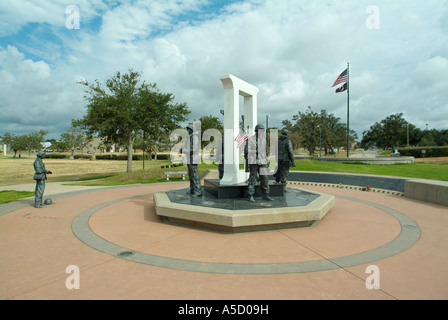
(292, 50)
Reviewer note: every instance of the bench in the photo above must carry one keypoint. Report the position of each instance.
(168, 174)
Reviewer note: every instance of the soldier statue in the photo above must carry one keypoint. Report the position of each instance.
(285, 158)
(40, 176)
(192, 164)
(220, 157)
(256, 155)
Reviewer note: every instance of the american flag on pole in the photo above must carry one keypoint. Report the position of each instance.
(241, 138)
(341, 79)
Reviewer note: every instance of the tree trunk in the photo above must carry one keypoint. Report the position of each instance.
(311, 149)
(130, 152)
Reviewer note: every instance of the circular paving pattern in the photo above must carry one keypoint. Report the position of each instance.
(408, 236)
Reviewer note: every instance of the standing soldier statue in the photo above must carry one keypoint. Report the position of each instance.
(285, 158)
(256, 155)
(220, 154)
(40, 176)
(192, 164)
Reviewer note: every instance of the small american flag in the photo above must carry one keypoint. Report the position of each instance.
(341, 79)
(241, 138)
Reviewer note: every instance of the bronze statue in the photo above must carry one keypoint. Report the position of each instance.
(220, 154)
(256, 154)
(285, 158)
(192, 165)
(40, 176)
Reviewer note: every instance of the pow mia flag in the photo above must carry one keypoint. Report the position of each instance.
(342, 89)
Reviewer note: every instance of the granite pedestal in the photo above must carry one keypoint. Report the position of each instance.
(296, 208)
(239, 190)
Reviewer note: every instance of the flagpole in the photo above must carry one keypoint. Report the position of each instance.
(348, 108)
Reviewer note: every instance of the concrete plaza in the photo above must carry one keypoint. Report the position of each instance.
(123, 250)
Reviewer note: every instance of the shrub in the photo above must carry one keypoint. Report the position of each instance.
(82, 156)
(430, 152)
(56, 156)
(134, 157)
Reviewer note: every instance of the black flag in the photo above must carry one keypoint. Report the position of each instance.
(342, 89)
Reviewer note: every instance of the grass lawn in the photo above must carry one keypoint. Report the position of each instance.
(10, 195)
(113, 172)
(20, 170)
(421, 170)
(156, 174)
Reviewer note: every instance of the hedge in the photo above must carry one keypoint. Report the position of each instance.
(134, 157)
(82, 156)
(430, 152)
(56, 156)
(107, 156)
(67, 156)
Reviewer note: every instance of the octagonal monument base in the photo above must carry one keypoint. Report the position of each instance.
(297, 208)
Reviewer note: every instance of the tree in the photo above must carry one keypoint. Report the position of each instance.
(210, 122)
(442, 137)
(15, 143)
(75, 138)
(59, 146)
(33, 140)
(152, 141)
(294, 135)
(8, 139)
(433, 137)
(394, 130)
(126, 107)
(312, 129)
(391, 132)
(29, 142)
(307, 124)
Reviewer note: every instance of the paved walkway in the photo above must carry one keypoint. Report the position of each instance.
(365, 154)
(123, 251)
(50, 187)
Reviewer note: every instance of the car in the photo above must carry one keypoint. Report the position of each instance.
(90, 152)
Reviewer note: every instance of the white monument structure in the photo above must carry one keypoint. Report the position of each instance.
(297, 208)
(233, 89)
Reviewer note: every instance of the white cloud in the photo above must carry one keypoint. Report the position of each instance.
(293, 51)
(30, 98)
(16, 14)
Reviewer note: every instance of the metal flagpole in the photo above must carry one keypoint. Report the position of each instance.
(348, 108)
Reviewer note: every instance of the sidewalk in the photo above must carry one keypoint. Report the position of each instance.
(123, 250)
(51, 188)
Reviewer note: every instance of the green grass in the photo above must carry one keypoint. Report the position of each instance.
(155, 175)
(11, 195)
(414, 170)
